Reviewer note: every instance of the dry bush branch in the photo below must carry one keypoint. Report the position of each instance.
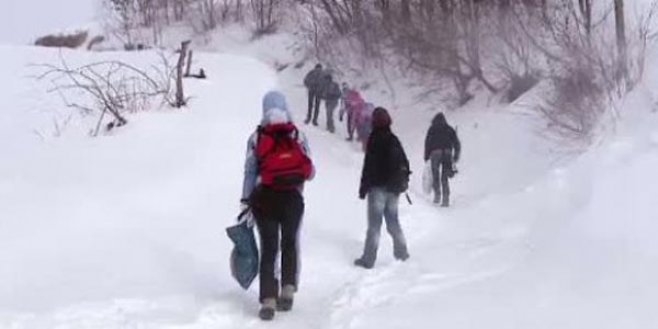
(110, 87)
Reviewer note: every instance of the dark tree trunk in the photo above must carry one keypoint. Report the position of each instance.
(586, 11)
(621, 39)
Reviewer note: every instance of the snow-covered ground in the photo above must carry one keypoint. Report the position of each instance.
(127, 230)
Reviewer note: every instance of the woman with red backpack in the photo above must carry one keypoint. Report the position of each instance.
(277, 165)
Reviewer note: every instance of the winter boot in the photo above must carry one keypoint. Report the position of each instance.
(403, 256)
(437, 198)
(362, 263)
(267, 309)
(445, 203)
(285, 301)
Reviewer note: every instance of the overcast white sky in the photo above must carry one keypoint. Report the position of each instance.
(21, 21)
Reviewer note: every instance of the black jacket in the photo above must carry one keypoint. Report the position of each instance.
(313, 79)
(441, 136)
(384, 155)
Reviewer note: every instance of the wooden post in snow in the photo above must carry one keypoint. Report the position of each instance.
(189, 63)
(180, 96)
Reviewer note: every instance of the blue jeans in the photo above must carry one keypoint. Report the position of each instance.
(383, 205)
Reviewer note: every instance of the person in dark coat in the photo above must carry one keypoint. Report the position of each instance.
(442, 148)
(313, 82)
(331, 94)
(384, 155)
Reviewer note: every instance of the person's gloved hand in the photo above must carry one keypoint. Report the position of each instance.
(245, 213)
(244, 204)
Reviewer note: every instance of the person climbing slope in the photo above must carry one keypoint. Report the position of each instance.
(384, 177)
(442, 148)
(276, 167)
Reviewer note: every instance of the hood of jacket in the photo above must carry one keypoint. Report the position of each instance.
(275, 109)
(439, 120)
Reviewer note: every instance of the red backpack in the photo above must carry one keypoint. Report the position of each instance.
(282, 162)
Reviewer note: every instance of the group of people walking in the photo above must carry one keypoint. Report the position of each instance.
(278, 163)
(354, 109)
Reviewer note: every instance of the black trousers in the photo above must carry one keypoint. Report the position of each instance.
(441, 171)
(330, 106)
(313, 106)
(278, 217)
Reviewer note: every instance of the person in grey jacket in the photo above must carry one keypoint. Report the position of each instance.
(330, 92)
(277, 212)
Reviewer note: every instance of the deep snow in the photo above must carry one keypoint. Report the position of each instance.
(127, 230)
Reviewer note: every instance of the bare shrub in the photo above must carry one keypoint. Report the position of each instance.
(111, 88)
(441, 40)
(575, 104)
(74, 40)
(519, 85)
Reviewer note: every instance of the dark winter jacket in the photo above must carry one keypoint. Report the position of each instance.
(329, 90)
(313, 79)
(441, 136)
(384, 155)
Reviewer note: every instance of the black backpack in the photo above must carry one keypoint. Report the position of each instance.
(398, 182)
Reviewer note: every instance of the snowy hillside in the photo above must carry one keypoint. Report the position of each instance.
(22, 21)
(127, 230)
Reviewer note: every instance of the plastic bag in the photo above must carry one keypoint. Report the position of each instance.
(244, 256)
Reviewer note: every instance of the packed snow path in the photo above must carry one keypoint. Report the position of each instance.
(127, 231)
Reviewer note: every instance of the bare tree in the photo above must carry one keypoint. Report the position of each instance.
(208, 10)
(265, 12)
(123, 16)
(622, 47)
